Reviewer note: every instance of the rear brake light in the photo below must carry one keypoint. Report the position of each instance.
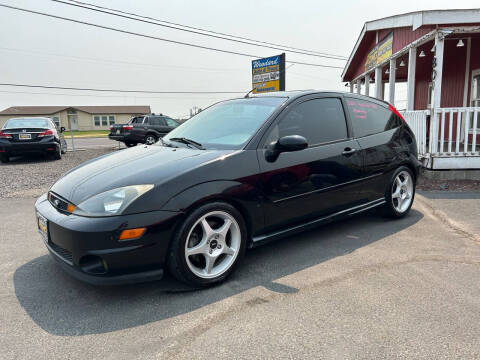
(395, 111)
(111, 127)
(127, 127)
(45, 133)
(5, 135)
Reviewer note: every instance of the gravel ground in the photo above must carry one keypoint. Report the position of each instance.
(448, 185)
(32, 176)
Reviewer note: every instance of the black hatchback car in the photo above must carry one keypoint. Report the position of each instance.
(142, 129)
(20, 136)
(239, 173)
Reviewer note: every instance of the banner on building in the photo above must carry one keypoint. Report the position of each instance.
(381, 52)
(268, 74)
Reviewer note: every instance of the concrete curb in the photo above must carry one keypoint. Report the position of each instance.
(451, 174)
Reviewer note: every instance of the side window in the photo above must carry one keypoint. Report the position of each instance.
(146, 120)
(369, 118)
(56, 121)
(171, 122)
(318, 120)
(161, 121)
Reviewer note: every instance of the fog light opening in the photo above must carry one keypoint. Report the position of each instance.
(92, 264)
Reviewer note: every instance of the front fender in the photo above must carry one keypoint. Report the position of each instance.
(244, 196)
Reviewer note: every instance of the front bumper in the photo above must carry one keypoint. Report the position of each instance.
(89, 249)
(18, 148)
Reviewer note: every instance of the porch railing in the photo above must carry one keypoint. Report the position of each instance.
(454, 131)
(417, 121)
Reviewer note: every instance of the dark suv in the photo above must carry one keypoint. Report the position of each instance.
(142, 129)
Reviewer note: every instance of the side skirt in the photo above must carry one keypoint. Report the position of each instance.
(262, 239)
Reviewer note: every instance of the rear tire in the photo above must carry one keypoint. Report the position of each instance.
(400, 193)
(208, 246)
(57, 155)
(4, 158)
(150, 139)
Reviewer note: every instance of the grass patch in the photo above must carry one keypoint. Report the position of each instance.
(90, 133)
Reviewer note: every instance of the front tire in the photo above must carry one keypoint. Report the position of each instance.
(400, 193)
(208, 246)
(129, 144)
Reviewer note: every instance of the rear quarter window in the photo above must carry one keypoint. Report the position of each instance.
(369, 118)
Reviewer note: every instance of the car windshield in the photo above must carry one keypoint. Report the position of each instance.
(27, 123)
(227, 125)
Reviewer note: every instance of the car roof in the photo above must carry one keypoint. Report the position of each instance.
(293, 94)
(30, 118)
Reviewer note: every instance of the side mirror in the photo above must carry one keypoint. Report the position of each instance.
(285, 144)
(62, 129)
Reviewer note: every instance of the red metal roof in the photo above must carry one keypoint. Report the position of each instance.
(406, 28)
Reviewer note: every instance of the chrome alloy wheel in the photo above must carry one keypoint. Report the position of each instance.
(150, 140)
(212, 244)
(402, 191)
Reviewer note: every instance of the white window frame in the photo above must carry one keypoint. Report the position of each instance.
(100, 118)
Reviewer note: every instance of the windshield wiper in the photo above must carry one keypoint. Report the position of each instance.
(164, 143)
(188, 142)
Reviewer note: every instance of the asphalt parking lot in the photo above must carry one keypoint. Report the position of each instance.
(364, 288)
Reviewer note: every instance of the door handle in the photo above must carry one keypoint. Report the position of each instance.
(348, 151)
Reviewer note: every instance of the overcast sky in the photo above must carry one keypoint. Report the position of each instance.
(44, 51)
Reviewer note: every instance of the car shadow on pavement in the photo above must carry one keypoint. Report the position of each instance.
(64, 306)
(28, 158)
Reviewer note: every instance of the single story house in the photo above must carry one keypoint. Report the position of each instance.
(436, 54)
(78, 117)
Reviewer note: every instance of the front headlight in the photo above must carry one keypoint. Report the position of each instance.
(112, 202)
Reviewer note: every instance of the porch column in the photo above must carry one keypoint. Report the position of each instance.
(437, 71)
(378, 83)
(351, 86)
(391, 82)
(367, 84)
(412, 65)
(359, 86)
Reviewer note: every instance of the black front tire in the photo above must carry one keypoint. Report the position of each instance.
(176, 261)
(130, 144)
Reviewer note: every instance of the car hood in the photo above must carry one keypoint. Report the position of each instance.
(134, 166)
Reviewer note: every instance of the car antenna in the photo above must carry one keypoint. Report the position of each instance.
(246, 95)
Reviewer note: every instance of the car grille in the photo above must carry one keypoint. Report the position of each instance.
(57, 202)
(64, 254)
